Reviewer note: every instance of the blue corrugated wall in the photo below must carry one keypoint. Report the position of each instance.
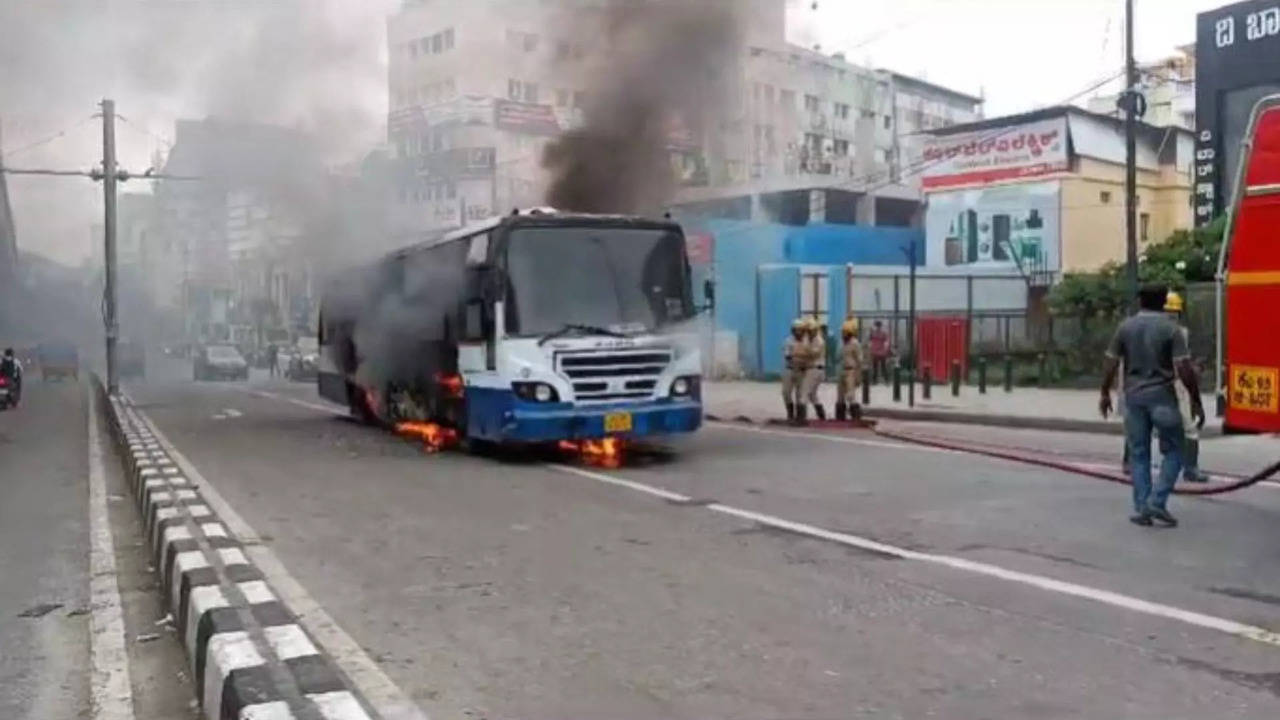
(758, 303)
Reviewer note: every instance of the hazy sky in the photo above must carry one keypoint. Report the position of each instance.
(320, 65)
(1021, 54)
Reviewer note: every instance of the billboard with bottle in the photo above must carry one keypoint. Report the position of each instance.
(1005, 225)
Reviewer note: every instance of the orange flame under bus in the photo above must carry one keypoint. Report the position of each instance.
(1249, 269)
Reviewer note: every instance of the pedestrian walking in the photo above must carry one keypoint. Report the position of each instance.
(273, 359)
(793, 365)
(847, 407)
(815, 368)
(1154, 352)
(1191, 471)
(881, 349)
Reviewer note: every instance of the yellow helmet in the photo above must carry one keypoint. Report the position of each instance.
(811, 324)
(850, 327)
(1173, 302)
(800, 324)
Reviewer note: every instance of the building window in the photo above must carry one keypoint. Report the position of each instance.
(1104, 197)
(563, 49)
(842, 111)
(888, 122)
(514, 89)
(812, 103)
(531, 92)
(424, 46)
(768, 94)
(1144, 226)
(840, 148)
(579, 99)
(787, 99)
(437, 44)
(562, 98)
(448, 39)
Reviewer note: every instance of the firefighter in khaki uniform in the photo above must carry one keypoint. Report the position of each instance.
(850, 372)
(794, 352)
(815, 370)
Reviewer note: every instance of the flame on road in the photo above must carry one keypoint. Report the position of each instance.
(605, 452)
(434, 437)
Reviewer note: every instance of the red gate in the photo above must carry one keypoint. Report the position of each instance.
(940, 341)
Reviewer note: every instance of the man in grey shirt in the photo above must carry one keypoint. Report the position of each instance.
(1154, 351)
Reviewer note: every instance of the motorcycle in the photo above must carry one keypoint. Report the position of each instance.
(8, 393)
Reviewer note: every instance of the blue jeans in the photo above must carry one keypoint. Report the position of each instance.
(1141, 416)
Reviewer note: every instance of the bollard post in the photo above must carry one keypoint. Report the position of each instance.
(982, 375)
(1044, 369)
(866, 387)
(897, 384)
(927, 382)
(955, 378)
(1008, 373)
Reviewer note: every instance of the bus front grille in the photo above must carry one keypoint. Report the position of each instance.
(614, 375)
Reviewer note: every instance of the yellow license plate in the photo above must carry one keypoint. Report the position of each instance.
(1256, 389)
(617, 422)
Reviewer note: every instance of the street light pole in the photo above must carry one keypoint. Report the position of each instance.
(1131, 158)
(109, 240)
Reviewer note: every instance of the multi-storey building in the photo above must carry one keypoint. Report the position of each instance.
(478, 89)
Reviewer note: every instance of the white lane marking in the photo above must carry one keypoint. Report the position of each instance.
(329, 409)
(233, 413)
(1106, 597)
(1083, 591)
(387, 699)
(110, 689)
(612, 480)
(829, 438)
(219, 416)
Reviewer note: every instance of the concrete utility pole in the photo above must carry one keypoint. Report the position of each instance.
(109, 240)
(1131, 158)
(911, 325)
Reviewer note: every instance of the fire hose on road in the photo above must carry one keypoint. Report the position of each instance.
(1067, 466)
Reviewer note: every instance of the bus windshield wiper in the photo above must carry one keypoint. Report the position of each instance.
(572, 327)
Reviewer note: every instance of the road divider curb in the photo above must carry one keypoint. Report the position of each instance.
(247, 654)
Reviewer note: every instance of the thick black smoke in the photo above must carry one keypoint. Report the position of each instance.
(660, 72)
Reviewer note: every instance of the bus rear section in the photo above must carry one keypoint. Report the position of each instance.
(538, 327)
(1251, 265)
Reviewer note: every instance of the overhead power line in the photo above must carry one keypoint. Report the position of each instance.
(10, 152)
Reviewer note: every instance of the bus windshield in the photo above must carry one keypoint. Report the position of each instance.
(621, 279)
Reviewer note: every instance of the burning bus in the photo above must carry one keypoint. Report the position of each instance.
(536, 327)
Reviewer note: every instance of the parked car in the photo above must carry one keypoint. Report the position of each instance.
(303, 360)
(213, 362)
(58, 359)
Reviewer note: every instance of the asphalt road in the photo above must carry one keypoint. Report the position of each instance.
(44, 561)
(699, 584)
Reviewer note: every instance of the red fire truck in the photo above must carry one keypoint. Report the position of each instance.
(1249, 273)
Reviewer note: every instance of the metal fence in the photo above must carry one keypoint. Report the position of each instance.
(1073, 346)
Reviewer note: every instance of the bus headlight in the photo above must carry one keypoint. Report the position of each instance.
(535, 392)
(685, 386)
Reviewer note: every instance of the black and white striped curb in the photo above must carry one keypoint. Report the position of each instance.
(249, 657)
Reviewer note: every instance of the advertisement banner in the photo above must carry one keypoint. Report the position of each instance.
(1006, 225)
(526, 117)
(464, 110)
(995, 154)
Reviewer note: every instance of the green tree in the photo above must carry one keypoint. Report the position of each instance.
(1183, 257)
